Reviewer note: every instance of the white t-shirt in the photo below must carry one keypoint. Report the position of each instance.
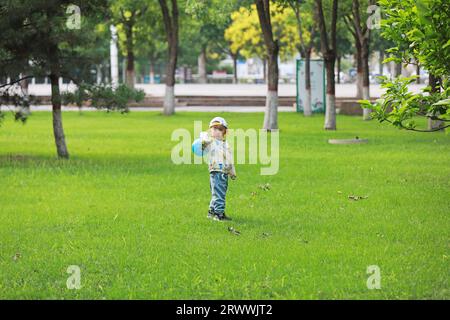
(219, 155)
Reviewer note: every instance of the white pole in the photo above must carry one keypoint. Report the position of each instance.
(114, 58)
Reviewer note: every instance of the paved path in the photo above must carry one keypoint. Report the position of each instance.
(342, 90)
(177, 109)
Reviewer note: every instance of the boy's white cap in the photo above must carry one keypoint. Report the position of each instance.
(218, 120)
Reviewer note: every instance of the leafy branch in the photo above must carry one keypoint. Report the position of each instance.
(400, 107)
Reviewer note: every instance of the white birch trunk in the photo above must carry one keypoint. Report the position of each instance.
(271, 114)
(99, 74)
(330, 112)
(169, 100)
(114, 58)
(366, 96)
(359, 85)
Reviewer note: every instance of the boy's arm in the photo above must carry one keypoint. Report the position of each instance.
(233, 172)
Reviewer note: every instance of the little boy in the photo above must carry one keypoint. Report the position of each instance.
(221, 165)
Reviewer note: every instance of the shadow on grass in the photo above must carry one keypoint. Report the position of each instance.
(21, 158)
(153, 165)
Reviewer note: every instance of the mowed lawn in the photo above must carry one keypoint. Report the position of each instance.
(136, 224)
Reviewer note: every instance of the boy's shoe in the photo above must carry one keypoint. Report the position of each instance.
(222, 217)
(210, 214)
(225, 217)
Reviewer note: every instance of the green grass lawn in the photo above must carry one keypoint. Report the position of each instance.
(136, 224)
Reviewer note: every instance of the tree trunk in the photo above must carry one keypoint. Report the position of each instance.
(171, 27)
(58, 130)
(265, 70)
(152, 72)
(398, 69)
(305, 52)
(202, 75)
(418, 72)
(124, 70)
(105, 71)
(271, 112)
(114, 58)
(24, 86)
(272, 48)
(339, 69)
(307, 109)
(380, 70)
(365, 80)
(235, 76)
(99, 74)
(361, 34)
(359, 72)
(434, 84)
(330, 112)
(328, 48)
(169, 100)
(130, 74)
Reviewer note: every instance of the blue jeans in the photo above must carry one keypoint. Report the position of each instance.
(218, 183)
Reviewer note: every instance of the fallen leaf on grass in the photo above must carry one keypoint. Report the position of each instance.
(356, 198)
(234, 231)
(17, 256)
(265, 187)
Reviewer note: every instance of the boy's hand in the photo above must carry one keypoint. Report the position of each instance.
(233, 176)
(205, 138)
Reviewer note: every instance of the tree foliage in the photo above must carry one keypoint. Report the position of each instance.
(104, 97)
(420, 31)
(245, 34)
(40, 39)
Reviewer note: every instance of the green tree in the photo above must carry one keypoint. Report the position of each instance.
(357, 21)
(244, 33)
(307, 33)
(344, 45)
(381, 44)
(209, 19)
(420, 31)
(128, 15)
(268, 31)
(150, 39)
(328, 32)
(272, 40)
(171, 25)
(46, 38)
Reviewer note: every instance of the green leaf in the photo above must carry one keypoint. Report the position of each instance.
(446, 45)
(442, 102)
